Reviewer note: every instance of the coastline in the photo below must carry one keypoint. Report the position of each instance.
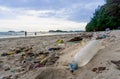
(38, 41)
(99, 67)
(32, 34)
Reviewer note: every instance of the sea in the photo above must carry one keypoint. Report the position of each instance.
(30, 34)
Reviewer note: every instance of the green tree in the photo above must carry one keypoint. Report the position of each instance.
(106, 16)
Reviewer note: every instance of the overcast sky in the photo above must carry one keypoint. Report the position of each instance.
(44, 15)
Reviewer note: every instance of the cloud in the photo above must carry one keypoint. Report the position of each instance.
(46, 14)
(39, 12)
(14, 12)
(66, 9)
(4, 9)
(32, 23)
(29, 20)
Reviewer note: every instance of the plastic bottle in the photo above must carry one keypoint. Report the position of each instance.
(87, 53)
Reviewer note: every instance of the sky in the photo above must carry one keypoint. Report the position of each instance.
(45, 15)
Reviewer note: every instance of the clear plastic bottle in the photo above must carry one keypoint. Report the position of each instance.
(87, 53)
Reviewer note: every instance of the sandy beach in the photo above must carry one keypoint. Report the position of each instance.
(55, 57)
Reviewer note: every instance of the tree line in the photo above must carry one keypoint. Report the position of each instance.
(106, 16)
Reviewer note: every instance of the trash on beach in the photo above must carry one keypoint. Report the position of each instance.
(73, 66)
(117, 63)
(46, 60)
(22, 49)
(11, 53)
(54, 49)
(87, 35)
(30, 54)
(41, 57)
(7, 77)
(75, 39)
(13, 70)
(101, 36)
(24, 62)
(18, 51)
(7, 69)
(87, 53)
(42, 62)
(62, 45)
(37, 65)
(27, 49)
(52, 60)
(4, 54)
(41, 52)
(99, 69)
(59, 41)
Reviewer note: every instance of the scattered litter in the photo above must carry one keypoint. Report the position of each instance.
(87, 35)
(41, 56)
(23, 59)
(13, 70)
(54, 49)
(117, 63)
(59, 41)
(11, 53)
(75, 39)
(73, 66)
(61, 45)
(37, 65)
(7, 77)
(6, 69)
(4, 54)
(99, 69)
(101, 36)
(18, 51)
(52, 60)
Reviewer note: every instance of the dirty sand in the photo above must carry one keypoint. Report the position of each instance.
(111, 51)
(38, 44)
(100, 67)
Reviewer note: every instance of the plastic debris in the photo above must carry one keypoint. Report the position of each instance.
(75, 39)
(87, 53)
(73, 66)
(27, 60)
(53, 49)
(4, 54)
(59, 41)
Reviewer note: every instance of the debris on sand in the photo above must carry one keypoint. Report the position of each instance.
(117, 63)
(54, 49)
(27, 60)
(75, 39)
(99, 69)
(87, 35)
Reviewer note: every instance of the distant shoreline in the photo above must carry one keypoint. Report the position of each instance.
(31, 34)
(28, 37)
